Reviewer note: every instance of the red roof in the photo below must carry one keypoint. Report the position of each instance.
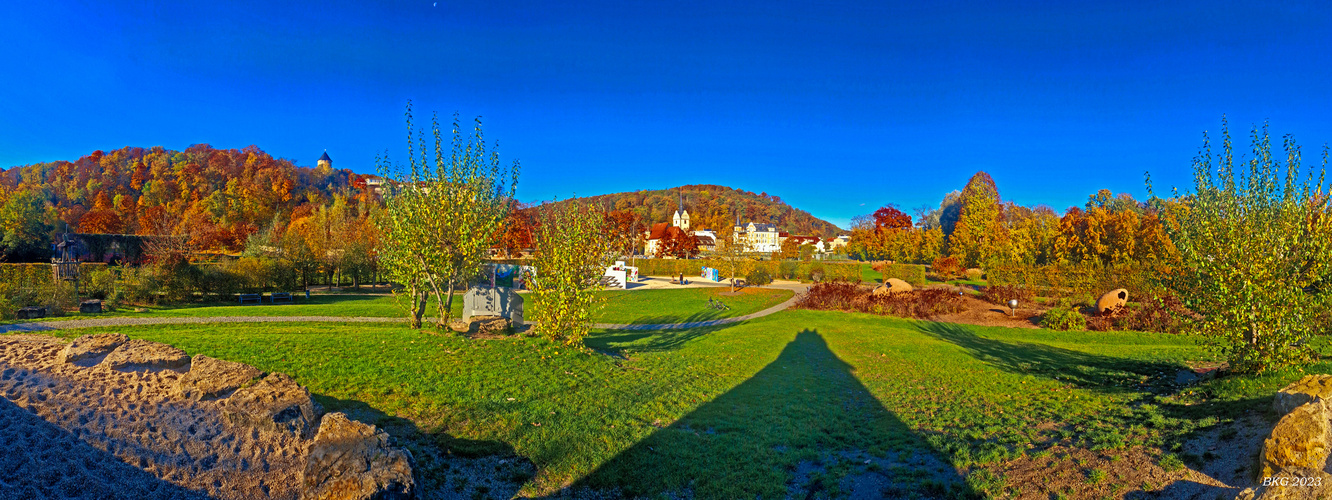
(658, 230)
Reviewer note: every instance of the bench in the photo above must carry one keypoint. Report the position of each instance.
(257, 298)
(283, 296)
(30, 313)
(739, 282)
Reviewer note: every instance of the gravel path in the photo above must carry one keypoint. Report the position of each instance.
(104, 322)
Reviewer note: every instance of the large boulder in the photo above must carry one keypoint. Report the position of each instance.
(139, 354)
(892, 286)
(92, 347)
(1300, 439)
(274, 403)
(210, 378)
(1112, 301)
(1302, 391)
(350, 460)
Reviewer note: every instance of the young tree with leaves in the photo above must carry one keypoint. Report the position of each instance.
(572, 251)
(1255, 241)
(441, 215)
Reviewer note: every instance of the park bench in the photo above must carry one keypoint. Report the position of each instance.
(283, 296)
(257, 298)
(31, 313)
(739, 282)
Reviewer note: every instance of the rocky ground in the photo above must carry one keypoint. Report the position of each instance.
(108, 417)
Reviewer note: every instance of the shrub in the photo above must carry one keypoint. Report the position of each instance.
(758, 276)
(1001, 294)
(571, 250)
(1064, 318)
(1156, 314)
(974, 274)
(848, 296)
(946, 267)
(910, 273)
(816, 273)
(787, 269)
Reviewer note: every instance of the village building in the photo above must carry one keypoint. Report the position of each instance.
(757, 237)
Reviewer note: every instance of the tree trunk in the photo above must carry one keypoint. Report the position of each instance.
(419, 297)
(446, 306)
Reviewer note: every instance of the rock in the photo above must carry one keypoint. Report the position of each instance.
(351, 460)
(1300, 439)
(30, 313)
(892, 286)
(1112, 300)
(139, 354)
(90, 307)
(484, 325)
(491, 325)
(1299, 483)
(1302, 391)
(460, 326)
(210, 378)
(90, 347)
(275, 403)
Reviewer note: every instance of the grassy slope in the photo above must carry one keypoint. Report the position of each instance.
(730, 412)
(621, 306)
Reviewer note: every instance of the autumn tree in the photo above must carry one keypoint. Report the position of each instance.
(441, 215)
(625, 229)
(572, 250)
(677, 244)
(1255, 240)
(25, 232)
(978, 232)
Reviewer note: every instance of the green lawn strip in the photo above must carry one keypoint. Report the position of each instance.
(730, 411)
(621, 306)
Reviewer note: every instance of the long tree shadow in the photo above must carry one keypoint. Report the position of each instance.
(803, 426)
(1087, 371)
(614, 341)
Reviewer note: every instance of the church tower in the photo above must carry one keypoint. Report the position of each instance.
(681, 217)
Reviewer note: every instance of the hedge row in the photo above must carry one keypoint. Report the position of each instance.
(1082, 282)
(781, 269)
(910, 273)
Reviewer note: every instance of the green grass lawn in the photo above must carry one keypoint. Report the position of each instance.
(799, 398)
(621, 306)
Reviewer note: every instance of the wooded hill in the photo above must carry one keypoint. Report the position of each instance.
(218, 197)
(714, 207)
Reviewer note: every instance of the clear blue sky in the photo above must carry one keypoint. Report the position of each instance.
(836, 107)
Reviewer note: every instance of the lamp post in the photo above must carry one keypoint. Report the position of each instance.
(1012, 306)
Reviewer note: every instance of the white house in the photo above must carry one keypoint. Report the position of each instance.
(756, 237)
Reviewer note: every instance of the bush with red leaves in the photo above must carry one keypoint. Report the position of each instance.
(846, 296)
(1001, 294)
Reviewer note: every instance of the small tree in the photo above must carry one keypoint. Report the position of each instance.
(731, 252)
(439, 221)
(572, 251)
(1254, 246)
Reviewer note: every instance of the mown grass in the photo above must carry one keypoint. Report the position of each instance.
(735, 411)
(621, 306)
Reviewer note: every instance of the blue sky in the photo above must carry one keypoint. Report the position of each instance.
(837, 107)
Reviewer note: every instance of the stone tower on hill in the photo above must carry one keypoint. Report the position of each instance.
(325, 161)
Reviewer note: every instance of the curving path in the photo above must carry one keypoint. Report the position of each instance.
(41, 326)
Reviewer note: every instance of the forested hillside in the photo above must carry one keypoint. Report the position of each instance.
(714, 207)
(216, 197)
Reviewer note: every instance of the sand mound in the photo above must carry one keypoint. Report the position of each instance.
(125, 428)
